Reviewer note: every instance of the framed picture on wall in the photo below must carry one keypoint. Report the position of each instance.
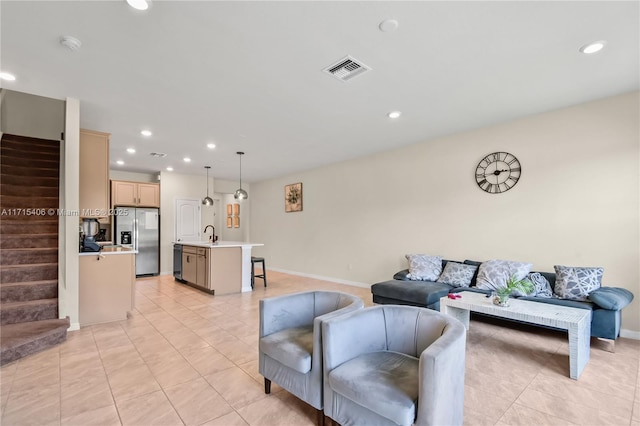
(293, 197)
(236, 209)
(236, 221)
(229, 221)
(229, 210)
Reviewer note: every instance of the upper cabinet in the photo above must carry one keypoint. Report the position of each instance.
(140, 194)
(94, 173)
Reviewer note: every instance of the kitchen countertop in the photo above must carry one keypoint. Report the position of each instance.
(218, 244)
(109, 251)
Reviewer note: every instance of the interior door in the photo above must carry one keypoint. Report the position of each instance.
(187, 219)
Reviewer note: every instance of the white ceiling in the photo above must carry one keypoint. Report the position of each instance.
(248, 75)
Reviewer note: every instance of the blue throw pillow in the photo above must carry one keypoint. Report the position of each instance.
(612, 298)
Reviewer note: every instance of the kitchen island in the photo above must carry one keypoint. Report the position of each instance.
(223, 267)
(107, 285)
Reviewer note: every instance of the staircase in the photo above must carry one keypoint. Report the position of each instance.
(29, 173)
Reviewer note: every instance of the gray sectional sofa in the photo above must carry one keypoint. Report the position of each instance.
(605, 303)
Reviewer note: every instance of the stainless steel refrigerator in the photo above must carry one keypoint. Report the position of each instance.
(140, 229)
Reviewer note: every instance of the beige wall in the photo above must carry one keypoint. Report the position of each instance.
(174, 186)
(576, 204)
(133, 176)
(31, 115)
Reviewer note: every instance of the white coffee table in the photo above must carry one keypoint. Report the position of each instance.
(575, 320)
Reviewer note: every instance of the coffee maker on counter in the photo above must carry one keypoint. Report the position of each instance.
(90, 228)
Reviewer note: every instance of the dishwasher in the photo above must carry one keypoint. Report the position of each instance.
(177, 262)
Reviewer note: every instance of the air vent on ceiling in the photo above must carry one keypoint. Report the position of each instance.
(346, 68)
(158, 154)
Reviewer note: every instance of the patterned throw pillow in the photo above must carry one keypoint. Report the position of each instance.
(493, 274)
(457, 274)
(541, 284)
(423, 267)
(575, 283)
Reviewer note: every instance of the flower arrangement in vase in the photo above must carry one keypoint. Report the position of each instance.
(501, 296)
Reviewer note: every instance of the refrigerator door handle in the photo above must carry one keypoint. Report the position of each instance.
(135, 238)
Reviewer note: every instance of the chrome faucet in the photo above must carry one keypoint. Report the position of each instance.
(212, 238)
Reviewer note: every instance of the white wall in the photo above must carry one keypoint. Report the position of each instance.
(576, 204)
(68, 240)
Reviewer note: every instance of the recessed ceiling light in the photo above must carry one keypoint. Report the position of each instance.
(146, 133)
(169, 169)
(131, 150)
(594, 47)
(138, 4)
(187, 159)
(7, 76)
(120, 162)
(211, 145)
(394, 114)
(388, 25)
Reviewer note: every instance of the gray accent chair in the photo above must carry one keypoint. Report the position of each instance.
(394, 365)
(290, 345)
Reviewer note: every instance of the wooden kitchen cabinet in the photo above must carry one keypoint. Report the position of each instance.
(107, 287)
(138, 194)
(94, 173)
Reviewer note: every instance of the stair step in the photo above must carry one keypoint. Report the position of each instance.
(32, 310)
(26, 143)
(19, 241)
(45, 226)
(28, 256)
(29, 171)
(29, 191)
(14, 152)
(26, 291)
(31, 180)
(29, 161)
(25, 202)
(25, 273)
(20, 340)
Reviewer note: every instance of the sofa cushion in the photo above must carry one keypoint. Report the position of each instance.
(612, 298)
(384, 382)
(542, 287)
(292, 347)
(493, 274)
(575, 283)
(559, 302)
(421, 293)
(424, 267)
(457, 274)
(401, 275)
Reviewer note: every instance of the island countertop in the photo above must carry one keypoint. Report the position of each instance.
(203, 265)
(218, 244)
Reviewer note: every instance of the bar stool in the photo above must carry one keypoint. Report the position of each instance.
(255, 260)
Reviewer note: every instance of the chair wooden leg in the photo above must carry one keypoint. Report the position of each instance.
(267, 386)
(320, 417)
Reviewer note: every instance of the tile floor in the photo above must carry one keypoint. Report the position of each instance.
(185, 357)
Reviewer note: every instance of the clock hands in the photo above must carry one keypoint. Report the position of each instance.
(496, 172)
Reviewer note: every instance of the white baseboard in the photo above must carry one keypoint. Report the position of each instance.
(630, 334)
(74, 326)
(321, 277)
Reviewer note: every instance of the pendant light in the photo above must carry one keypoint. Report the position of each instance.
(240, 194)
(207, 201)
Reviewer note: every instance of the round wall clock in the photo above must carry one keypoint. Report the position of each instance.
(498, 172)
